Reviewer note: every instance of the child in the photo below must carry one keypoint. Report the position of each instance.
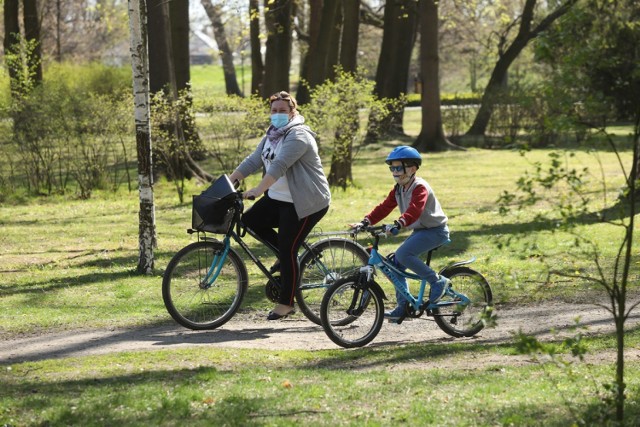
(420, 212)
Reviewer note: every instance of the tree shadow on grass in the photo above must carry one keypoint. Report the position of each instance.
(188, 394)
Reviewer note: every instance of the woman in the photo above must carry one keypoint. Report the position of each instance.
(296, 191)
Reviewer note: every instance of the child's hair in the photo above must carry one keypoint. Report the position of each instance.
(284, 96)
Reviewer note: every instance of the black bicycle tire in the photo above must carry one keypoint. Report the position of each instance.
(443, 321)
(330, 330)
(312, 310)
(168, 296)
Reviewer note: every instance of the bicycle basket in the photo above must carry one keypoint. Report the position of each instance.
(213, 209)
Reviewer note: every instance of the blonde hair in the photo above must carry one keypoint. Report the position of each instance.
(284, 96)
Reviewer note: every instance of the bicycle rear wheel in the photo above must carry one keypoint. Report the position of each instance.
(352, 314)
(453, 316)
(191, 299)
(320, 267)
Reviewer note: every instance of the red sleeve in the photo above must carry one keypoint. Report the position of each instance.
(416, 206)
(381, 211)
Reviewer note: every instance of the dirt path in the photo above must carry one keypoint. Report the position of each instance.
(299, 333)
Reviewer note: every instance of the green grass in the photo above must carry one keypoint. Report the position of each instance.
(209, 80)
(370, 386)
(69, 264)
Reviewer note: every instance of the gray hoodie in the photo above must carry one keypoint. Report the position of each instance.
(300, 161)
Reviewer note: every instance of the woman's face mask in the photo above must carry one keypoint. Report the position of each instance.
(279, 120)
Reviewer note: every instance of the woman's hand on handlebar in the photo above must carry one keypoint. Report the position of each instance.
(251, 194)
(359, 226)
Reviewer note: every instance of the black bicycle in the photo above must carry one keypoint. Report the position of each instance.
(205, 282)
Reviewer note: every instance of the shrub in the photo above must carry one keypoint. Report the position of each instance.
(228, 126)
(61, 138)
(91, 78)
(334, 112)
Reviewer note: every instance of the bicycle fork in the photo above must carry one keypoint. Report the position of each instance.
(216, 266)
(362, 294)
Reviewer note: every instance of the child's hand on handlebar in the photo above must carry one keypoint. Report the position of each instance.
(393, 229)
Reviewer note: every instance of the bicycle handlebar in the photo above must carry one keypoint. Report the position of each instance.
(378, 230)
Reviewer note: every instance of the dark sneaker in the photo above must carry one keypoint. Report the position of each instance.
(396, 313)
(438, 289)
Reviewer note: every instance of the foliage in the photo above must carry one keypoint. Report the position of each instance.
(63, 138)
(594, 52)
(446, 99)
(334, 111)
(571, 198)
(229, 126)
(20, 60)
(93, 77)
(172, 145)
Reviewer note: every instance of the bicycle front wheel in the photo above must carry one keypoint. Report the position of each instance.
(352, 314)
(320, 267)
(456, 317)
(192, 297)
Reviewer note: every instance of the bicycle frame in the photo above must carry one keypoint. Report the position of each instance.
(234, 233)
(391, 272)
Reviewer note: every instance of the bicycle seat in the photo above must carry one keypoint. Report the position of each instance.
(439, 246)
(428, 261)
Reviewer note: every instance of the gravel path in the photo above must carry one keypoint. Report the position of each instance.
(298, 333)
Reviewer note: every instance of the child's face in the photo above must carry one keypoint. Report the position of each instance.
(401, 175)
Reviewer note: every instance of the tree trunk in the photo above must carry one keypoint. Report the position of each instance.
(334, 45)
(315, 15)
(214, 12)
(278, 19)
(12, 43)
(168, 34)
(59, 30)
(342, 158)
(257, 67)
(499, 73)
(350, 31)
(32, 35)
(140, 67)
(431, 136)
(392, 74)
(159, 72)
(180, 58)
(320, 59)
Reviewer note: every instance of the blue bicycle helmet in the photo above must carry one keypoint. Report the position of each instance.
(405, 154)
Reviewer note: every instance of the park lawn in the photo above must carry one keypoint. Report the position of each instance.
(69, 264)
(370, 386)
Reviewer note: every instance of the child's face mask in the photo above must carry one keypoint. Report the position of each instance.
(402, 179)
(402, 175)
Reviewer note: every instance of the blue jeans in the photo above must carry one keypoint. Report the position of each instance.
(418, 243)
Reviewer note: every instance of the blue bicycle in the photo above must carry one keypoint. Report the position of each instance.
(352, 310)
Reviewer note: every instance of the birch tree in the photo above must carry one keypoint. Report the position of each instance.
(140, 66)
